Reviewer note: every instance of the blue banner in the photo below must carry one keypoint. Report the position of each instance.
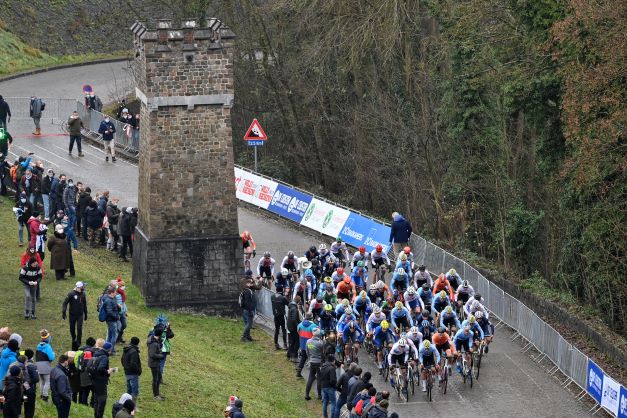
(359, 230)
(289, 203)
(595, 381)
(622, 407)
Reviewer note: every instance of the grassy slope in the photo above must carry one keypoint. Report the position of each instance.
(208, 361)
(16, 56)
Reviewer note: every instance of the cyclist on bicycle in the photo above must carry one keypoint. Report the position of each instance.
(316, 268)
(341, 307)
(323, 255)
(346, 289)
(302, 289)
(454, 279)
(464, 292)
(475, 328)
(374, 295)
(383, 288)
(442, 283)
(379, 257)
(361, 255)
(449, 320)
(329, 296)
(345, 318)
(463, 339)
(413, 303)
(317, 306)
(474, 305)
(362, 306)
(413, 350)
(327, 320)
(426, 326)
(422, 276)
(327, 283)
(339, 250)
(440, 302)
(443, 343)
(398, 356)
(290, 262)
(404, 264)
(359, 275)
(248, 243)
(401, 317)
(374, 320)
(429, 358)
(382, 336)
(284, 279)
(312, 253)
(265, 267)
(351, 335)
(338, 275)
(486, 327)
(311, 278)
(426, 296)
(400, 281)
(415, 335)
(410, 257)
(386, 308)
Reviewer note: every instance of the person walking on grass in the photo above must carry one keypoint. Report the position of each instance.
(60, 387)
(78, 312)
(44, 356)
(74, 125)
(30, 276)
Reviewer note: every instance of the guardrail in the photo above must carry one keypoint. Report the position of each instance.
(126, 138)
(334, 220)
(56, 109)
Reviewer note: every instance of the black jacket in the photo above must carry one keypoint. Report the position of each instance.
(12, 392)
(102, 371)
(354, 390)
(83, 200)
(279, 302)
(250, 303)
(328, 378)
(93, 217)
(154, 353)
(342, 384)
(60, 385)
(46, 183)
(130, 360)
(293, 317)
(113, 214)
(126, 223)
(77, 302)
(5, 110)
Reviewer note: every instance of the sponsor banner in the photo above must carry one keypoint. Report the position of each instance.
(254, 189)
(611, 393)
(289, 203)
(595, 381)
(324, 217)
(359, 230)
(622, 407)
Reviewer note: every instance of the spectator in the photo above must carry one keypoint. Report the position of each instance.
(342, 387)
(238, 409)
(93, 220)
(113, 215)
(5, 113)
(127, 409)
(279, 303)
(23, 210)
(93, 102)
(293, 319)
(107, 130)
(328, 379)
(305, 332)
(69, 202)
(164, 331)
(12, 392)
(136, 132)
(33, 228)
(132, 367)
(57, 187)
(75, 124)
(37, 106)
(30, 378)
(59, 252)
(112, 310)
(86, 383)
(400, 232)
(74, 375)
(30, 276)
(60, 386)
(154, 362)
(380, 410)
(357, 387)
(77, 301)
(314, 354)
(31, 185)
(121, 108)
(44, 356)
(120, 298)
(9, 355)
(100, 378)
(117, 407)
(84, 197)
(46, 186)
(248, 304)
(126, 227)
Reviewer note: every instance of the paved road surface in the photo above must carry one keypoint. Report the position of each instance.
(511, 384)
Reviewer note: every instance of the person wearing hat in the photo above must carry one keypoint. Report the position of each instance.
(119, 405)
(75, 124)
(30, 378)
(380, 410)
(8, 356)
(86, 383)
(101, 378)
(60, 387)
(44, 356)
(237, 409)
(77, 302)
(127, 409)
(12, 392)
(30, 276)
(59, 252)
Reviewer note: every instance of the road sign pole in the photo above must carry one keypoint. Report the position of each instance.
(255, 147)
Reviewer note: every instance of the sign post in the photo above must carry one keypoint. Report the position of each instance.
(255, 136)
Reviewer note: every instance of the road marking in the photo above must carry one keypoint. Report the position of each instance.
(81, 159)
(39, 158)
(56, 155)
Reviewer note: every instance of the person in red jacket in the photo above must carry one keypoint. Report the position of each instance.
(33, 228)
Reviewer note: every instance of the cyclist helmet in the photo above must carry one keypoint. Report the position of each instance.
(425, 324)
(328, 307)
(411, 290)
(303, 280)
(362, 250)
(372, 287)
(322, 247)
(328, 279)
(285, 272)
(465, 283)
(478, 296)
(472, 319)
(380, 284)
(385, 324)
(398, 305)
(347, 280)
(401, 271)
(425, 286)
(452, 272)
(441, 330)
(466, 330)
(266, 254)
(312, 249)
(360, 263)
(442, 294)
(414, 330)
(246, 235)
(290, 254)
(407, 250)
(427, 345)
(402, 342)
(425, 313)
(376, 310)
(363, 294)
(348, 311)
(308, 273)
(319, 298)
(403, 257)
(345, 302)
(338, 239)
(340, 271)
(422, 267)
(449, 309)
(351, 324)
(379, 248)
(478, 315)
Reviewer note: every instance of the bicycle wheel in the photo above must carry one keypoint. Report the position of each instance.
(429, 386)
(479, 357)
(411, 378)
(444, 382)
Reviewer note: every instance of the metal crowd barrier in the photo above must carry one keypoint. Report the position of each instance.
(55, 110)
(92, 120)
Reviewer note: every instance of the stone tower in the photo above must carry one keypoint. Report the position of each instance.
(187, 248)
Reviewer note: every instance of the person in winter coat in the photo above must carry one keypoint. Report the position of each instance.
(44, 356)
(162, 329)
(107, 130)
(46, 185)
(5, 112)
(33, 228)
(113, 215)
(13, 393)
(327, 378)
(293, 319)
(60, 387)
(9, 355)
(154, 362)
(30, 378)
(249, 304)
(31, 185)
(86, 383)
(30, 276)
(126, 226)
(93, 220)
(59, 252)
(119, 405)
(112, 312)
(84, 197)
(101, 379)
(238, 407)
(69, 202)
(400, 232)
(74, 376)
(314, 354)
(279, 303)
(74, 125)
(380, 410)
(127, 409)
(37, 106)
(342, 387)
(305, 333)
(132, 367)
(23, 211)
(77, 301)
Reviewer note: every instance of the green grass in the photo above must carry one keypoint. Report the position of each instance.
(16, 56)
(208, 362)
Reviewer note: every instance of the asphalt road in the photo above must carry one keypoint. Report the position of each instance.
(510, 385)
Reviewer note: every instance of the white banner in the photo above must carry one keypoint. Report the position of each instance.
(325, 218)
(611, 391)
(254, 189)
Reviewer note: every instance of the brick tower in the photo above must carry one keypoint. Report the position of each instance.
(187, 249)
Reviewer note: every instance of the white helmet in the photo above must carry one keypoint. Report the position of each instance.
(413, 330)
(322, 247)
(478, 315)
(402, 342)
(377, 310)
(380, 284)
(411, 290)
(348, 311)
(465, 283)
(285, 272)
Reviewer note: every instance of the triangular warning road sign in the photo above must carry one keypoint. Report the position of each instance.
(255, 132)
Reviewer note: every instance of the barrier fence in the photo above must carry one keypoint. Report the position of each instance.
(125, 137)
(332, 220)
(55, 110)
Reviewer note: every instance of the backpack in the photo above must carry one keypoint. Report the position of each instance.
(102, 313)
(92, 366)
(80, 362)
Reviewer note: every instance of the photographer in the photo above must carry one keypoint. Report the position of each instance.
(107, 129)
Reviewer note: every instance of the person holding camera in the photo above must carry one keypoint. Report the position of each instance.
(107, 130)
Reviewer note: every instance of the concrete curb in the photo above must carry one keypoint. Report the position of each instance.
(60, 67)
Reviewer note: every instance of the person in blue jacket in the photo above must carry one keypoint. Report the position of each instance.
(399, 232)
(107, 130)
(8, 356)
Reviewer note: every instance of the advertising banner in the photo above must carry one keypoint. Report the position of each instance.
(289, 203)
(611, 392)
(254, 189)
(359, 230)
(324, 217)
(595, 381)
(622, 407)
